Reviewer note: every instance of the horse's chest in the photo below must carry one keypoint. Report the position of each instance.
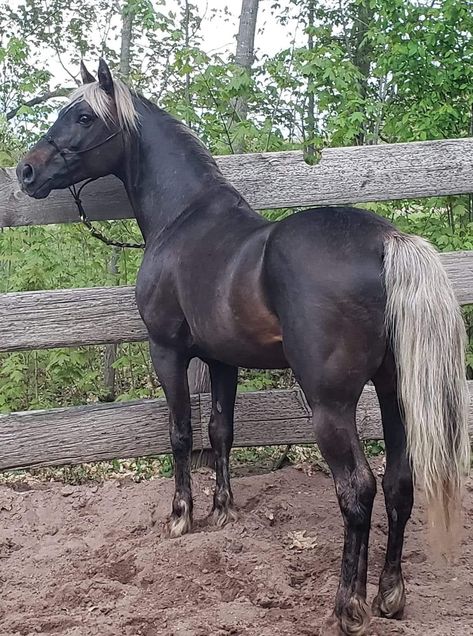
(158, 304)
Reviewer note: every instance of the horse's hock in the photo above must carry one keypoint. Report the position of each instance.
(73, 317)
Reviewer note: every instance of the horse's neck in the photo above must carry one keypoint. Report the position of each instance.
(167, 171)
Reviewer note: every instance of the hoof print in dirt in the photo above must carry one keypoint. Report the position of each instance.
(331, 628)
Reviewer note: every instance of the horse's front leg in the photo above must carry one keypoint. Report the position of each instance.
(224, 383)
(171, 368)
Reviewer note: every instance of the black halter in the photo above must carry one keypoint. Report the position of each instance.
(77, 191)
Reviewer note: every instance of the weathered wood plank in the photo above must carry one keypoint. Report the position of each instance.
(281, 179)
(69, 317)
(88, 433)
(459, 267)
(106, 431)
(72, 317)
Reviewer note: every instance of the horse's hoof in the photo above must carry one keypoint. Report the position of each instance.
(180, 521)
(390, 604)
(177, 526)
(354, 620)
(180, 524)
(222, 516)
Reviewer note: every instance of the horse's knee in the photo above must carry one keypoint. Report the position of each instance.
(221, 432)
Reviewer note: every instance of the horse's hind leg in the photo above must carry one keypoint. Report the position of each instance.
(332, 368)
(356, 488)
(224, 384)
(398, 494)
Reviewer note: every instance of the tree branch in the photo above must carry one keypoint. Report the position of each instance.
(40, 99)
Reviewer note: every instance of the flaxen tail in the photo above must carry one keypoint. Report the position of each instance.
(428, 338)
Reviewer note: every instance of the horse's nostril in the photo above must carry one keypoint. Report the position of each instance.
(27, 173)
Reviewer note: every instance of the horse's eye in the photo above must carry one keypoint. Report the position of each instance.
(85, 120)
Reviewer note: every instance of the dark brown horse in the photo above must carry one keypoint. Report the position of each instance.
(338, 294)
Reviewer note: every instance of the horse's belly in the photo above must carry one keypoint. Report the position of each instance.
(250, 339)
(246, 354)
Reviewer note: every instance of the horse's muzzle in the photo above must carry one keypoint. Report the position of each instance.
(27, 178)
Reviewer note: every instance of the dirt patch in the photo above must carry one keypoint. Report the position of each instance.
(88, 560)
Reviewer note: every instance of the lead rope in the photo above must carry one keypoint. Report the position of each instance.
(93, 231)
(77, 200)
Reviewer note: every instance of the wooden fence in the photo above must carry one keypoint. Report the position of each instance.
(73, 317)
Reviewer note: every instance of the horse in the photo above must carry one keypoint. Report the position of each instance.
(337, 294)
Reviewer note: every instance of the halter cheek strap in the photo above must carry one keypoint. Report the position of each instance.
(50, 139)
(76, 192)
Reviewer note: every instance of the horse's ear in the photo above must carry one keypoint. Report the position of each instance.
(105, 77)
(87, 78)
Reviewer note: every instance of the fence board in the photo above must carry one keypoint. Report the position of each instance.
(343, 175)
(69, 317)
(72, 317)
(107, 431)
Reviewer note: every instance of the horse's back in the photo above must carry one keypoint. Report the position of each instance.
(332, 233)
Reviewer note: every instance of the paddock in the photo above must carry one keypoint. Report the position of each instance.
(92, 560)
(95, 558)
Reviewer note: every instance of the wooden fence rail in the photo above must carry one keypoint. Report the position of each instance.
(105, 431)
(33, 320)
(281, 179)
(73, 317)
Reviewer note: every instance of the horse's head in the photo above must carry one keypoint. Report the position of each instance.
(87, 139)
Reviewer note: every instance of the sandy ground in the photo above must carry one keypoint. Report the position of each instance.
(93, 560)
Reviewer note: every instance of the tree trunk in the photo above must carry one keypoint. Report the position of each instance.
(187, 17)
(244, 57)
(311, 97)
(362, 53)
(127, 36)
(110, 355)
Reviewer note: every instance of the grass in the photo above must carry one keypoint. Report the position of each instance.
(243, 461)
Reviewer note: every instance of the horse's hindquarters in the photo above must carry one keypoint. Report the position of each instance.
(324, 281)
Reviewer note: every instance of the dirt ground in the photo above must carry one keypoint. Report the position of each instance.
(92, 560)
